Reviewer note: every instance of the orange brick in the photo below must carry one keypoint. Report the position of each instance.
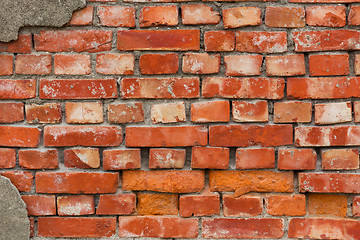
(166, 158)
(125, 112)
(33, 64)
(356, 206)
(217, 41)
(11, 112)
(72, 64)
(116, 16)
(244, 206)
(82, 158)
(357, 64)
(243, 65)
(121, 159)
(357, 111)
(210, 157)
(199, 205)
(326, 65)
(120, 204)
(214, 111)
(279, 205)
(327, 204)
(241, 17)
(158, 16)
(6, 63)
(7, 158)
(331, 113)
(255, 158)
(168, 113)
(340, 159)
(297, 159)
(22, 180)
(200, 63)
(287, 65)
(84, 112)
(40, 205)
(243, 111)
(159, 63)
(82, 17)
(286, 17)
(288, 112)
(354, 15)
(75, 205)
(199, 14)
(35, 159)
(46, 113)
(13, 136)
(326, 16)
(157, 204)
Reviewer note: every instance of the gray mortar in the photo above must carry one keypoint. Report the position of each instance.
(14, 221)
(15, 14)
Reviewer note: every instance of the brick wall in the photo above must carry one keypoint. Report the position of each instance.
(177, 119)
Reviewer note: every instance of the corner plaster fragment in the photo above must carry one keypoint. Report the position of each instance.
(14, 221)
(18, 13)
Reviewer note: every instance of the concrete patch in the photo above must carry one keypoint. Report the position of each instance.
(14, 222)
(18, 13)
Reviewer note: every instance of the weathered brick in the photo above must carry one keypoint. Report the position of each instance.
(199, 14)
(40, 205)
(241, 17)
(125, 112)
(172, 40)
(22, 45)
(326, 16)
(297, 159)
(114, 63)
(217, 41)
(76, 227)
(200, 63)
(244, 206)
(356, 112)
(357, 64)
(356, 206)
(75, 89)
(157, 204)
(35, 159)
(45, 113)
(266, 88)
(72, 64)
(6, 62)
(120, 204)
(340, 159)
(33, 64)
(214, 111)
(166, 158)
(168, 112)
(84, 112)
(172, 181)
(121, 159)
(294, 111)
(261, 42)
(286, 65)
(249, 135)
(160, 88)
(76, 182)
(82, 17)
(327, 65)
(285, 17)
(327, 204)
(243, 65)
(13, 136)
(73, 40)
(116, 16)
(354, 15)
(7, 158)
(82, 158)
(17, 89)
(279, 205)
(255, 158)
(75, 205)
(331, 113)
(11, 112)
(243, 111)
(159, 63)
(210, 157)
(22, 180)
(158, 16)
(199, 205)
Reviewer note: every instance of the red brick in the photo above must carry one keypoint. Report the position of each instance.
(331, 113)
(120, 204)
(217, 41)
(319, 228)
(261, 42)
(157, 204)
(255, 158)
(82, 136)
(72, 64)
(7, 158)
(76, 182)
(11, 136)
(328, 40)
(159, 63)
(160, 88)
(323, 88)
(241, 17)
(76, 227)
(250, 181)
(114, 63)
(21, 45)
(287, 65)
(121, 159)
(17, 89)
(278, 205)
(327, 136)
(46, 113)
(249, 135)
(354, 15)
(199, 205)
(82, 158)
(356, 206)
(154, 227)
(243, 65)
(242, 228)
(158, 16)
(214, 111)
(73, 41)
(84, 112)
(168, 112)
(172, 181)
(324, 1)
(266, 88)
(40, 205)
(75, 205)
(116, 16)
(356, 111)
(327, 204)
(82, 17)
(340, 159)
(75, 89)
(200, 63)
(357, 64)
(295, 111)
(166, 158)
(326, 16)
(285, 17)
(243, 111)
(33, 64)
(32, 227)
(36, 159)
(125, 112)
(329, 182)
(245, 206)
(22, 180)
(210, 157)
(166, 136)
(297, 159)
(6, 62)
(11, 112)
(102, 0)
(326, 65)
(199, 14)
(172, 40)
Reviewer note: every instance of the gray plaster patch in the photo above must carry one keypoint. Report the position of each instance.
(14, 221)
(18, 13)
